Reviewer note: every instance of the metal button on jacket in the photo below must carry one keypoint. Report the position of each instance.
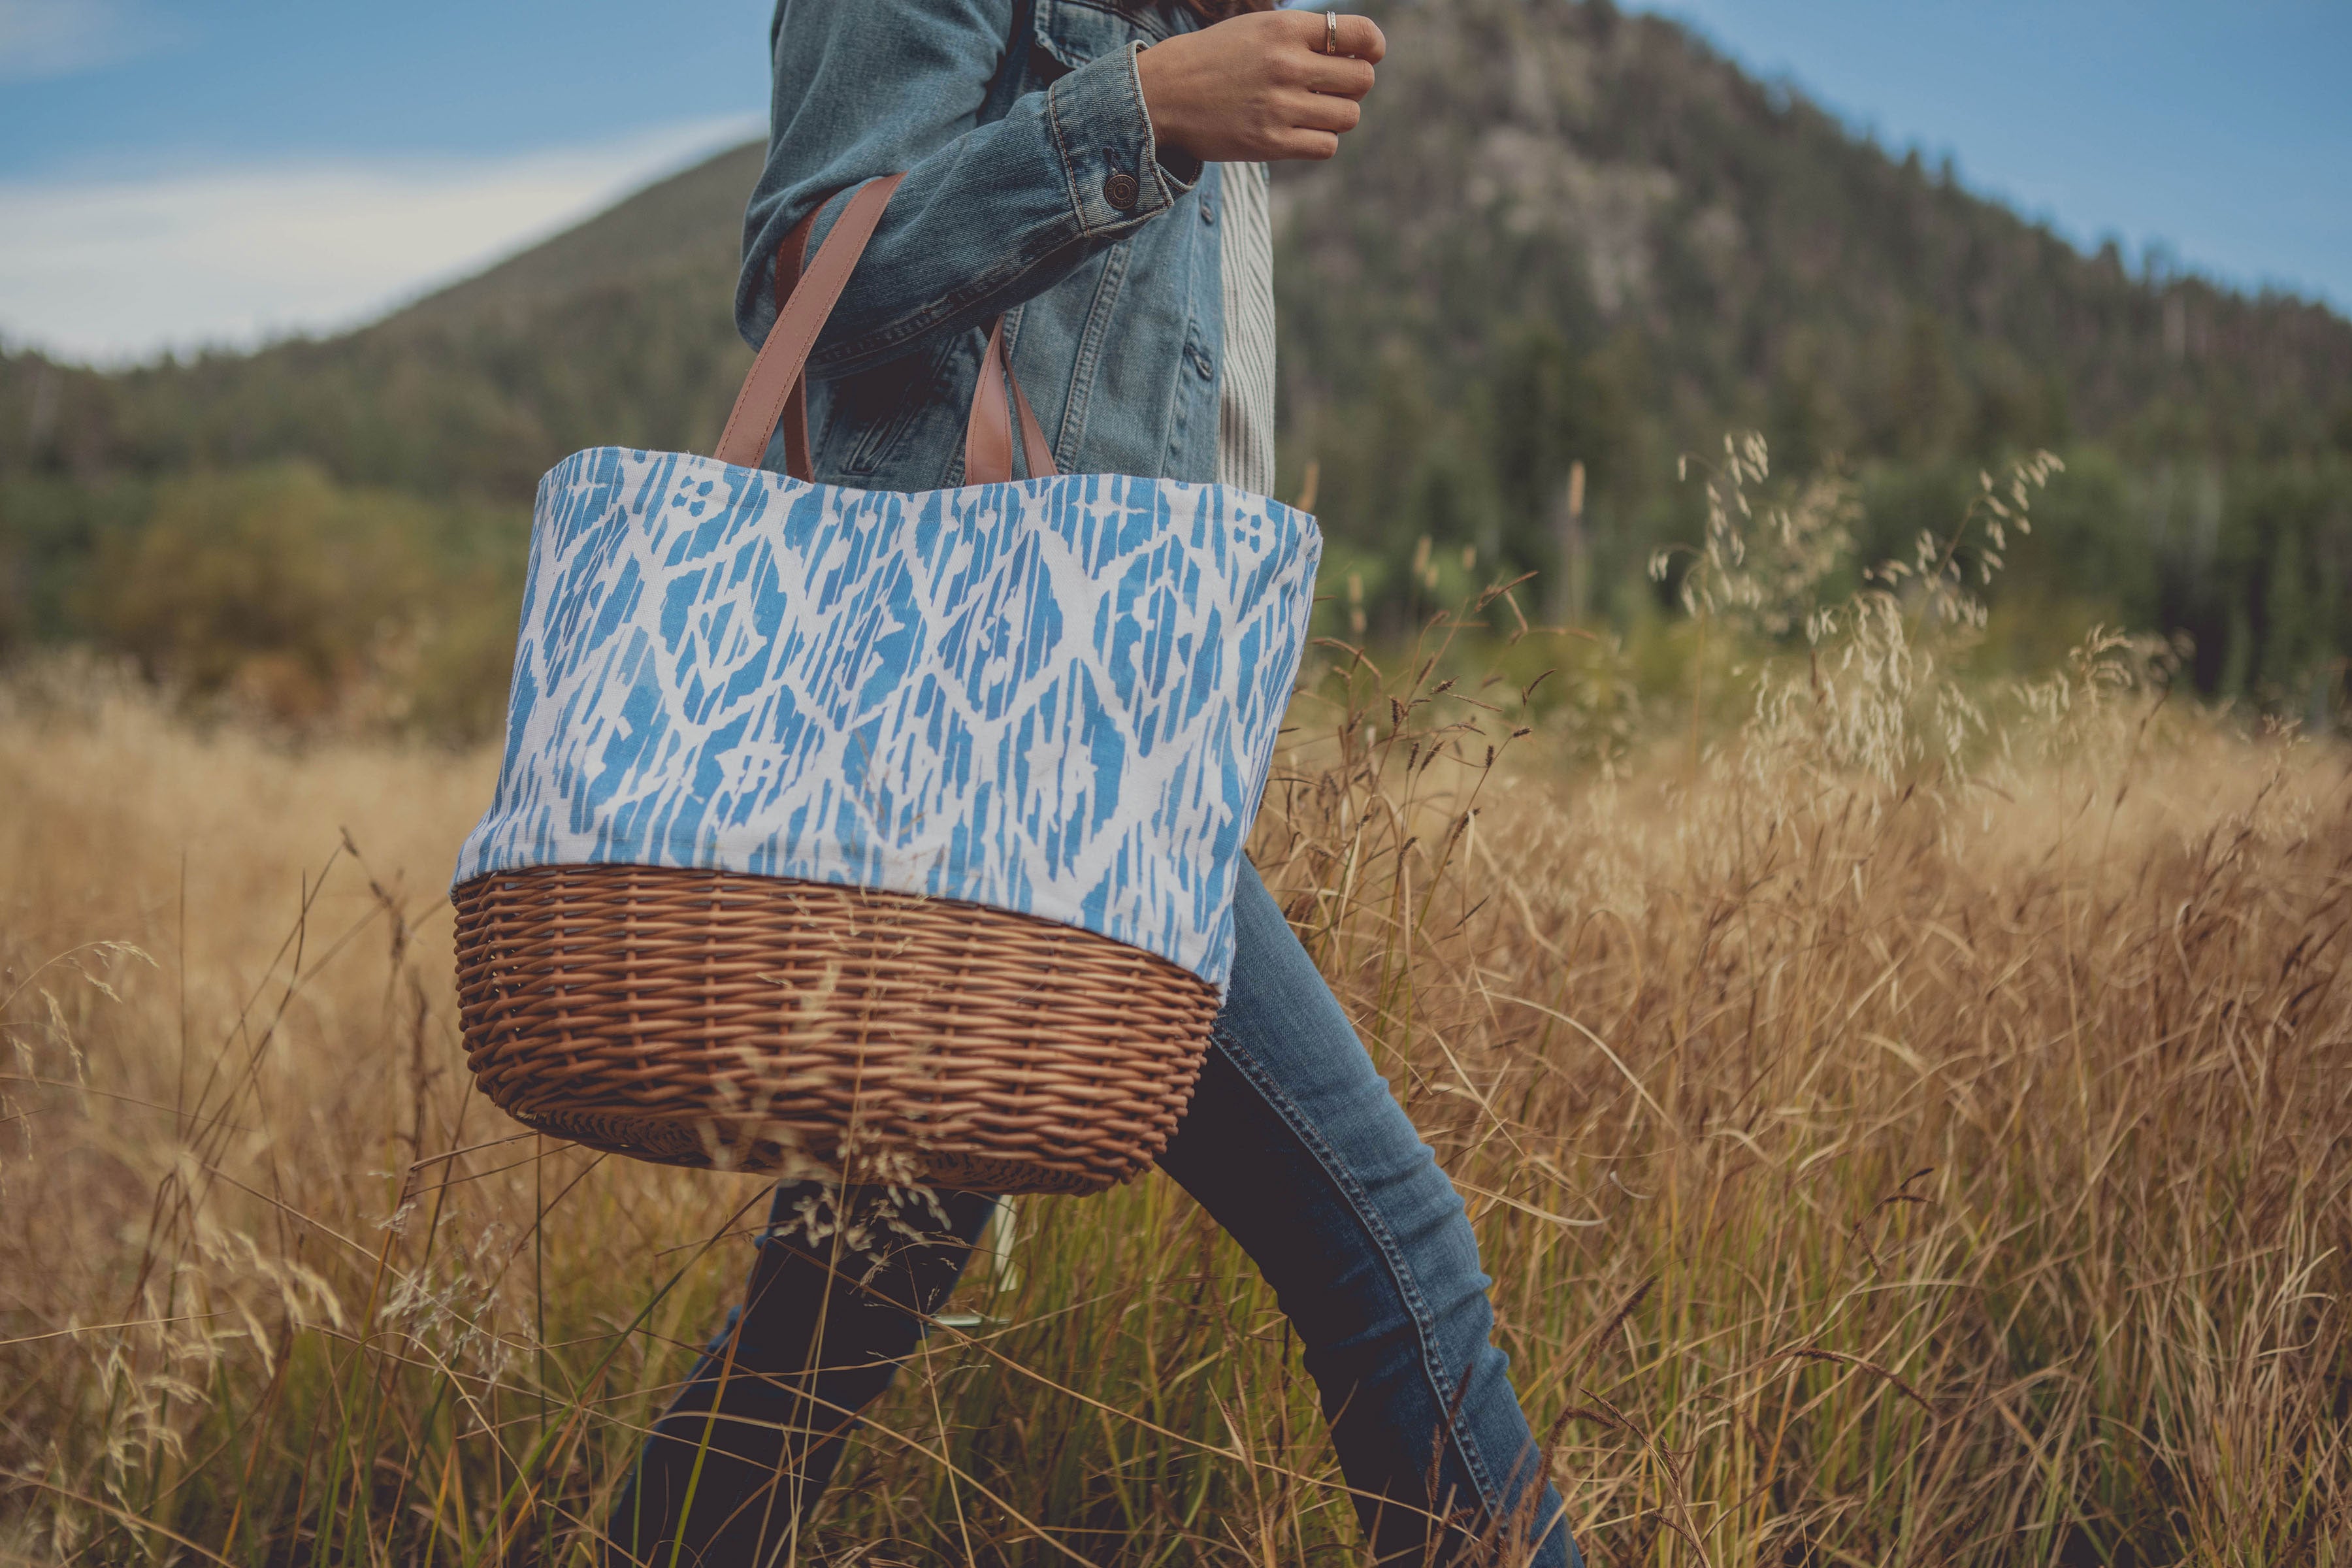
(1121, 190)
(1208, 208)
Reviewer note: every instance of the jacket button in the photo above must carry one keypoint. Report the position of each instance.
(1120, 190)
(1208, 210)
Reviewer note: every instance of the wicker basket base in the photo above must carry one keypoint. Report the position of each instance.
(755, 1024)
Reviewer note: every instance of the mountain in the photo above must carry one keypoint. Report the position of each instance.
(619, 329)
(1563, 234)
(1608, 179)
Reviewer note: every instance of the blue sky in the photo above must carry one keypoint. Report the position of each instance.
(178, 173)
(2219, 129)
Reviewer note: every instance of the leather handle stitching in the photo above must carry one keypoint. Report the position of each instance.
(776, 371)
(776, 386)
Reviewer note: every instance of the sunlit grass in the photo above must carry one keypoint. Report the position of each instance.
(1906, 1124)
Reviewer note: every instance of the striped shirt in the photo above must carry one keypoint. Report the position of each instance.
(1246, 384)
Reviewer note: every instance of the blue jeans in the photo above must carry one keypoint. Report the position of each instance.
(1294, 1145)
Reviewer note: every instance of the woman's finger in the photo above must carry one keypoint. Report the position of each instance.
(1361, 37)
(1323, 111)
(1342, 77)
(1312, 145)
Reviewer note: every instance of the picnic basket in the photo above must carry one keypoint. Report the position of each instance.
(883, 838)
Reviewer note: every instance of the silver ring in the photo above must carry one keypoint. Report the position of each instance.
(1330, 32)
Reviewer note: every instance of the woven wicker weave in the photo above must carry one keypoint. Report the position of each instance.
(755, 1024)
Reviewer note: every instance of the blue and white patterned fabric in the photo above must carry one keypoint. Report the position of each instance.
(1058, 697)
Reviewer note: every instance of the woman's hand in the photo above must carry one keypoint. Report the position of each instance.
(1257, 87)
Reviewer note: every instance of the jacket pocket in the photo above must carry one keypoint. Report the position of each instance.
(881, 405)
(1072, 32)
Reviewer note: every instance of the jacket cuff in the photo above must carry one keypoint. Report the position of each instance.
(1112, 160)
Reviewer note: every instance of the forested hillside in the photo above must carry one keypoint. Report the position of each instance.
(1563, 235)
(1569, 234)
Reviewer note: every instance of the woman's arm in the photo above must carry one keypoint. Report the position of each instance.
(989, 215)
(992, 215)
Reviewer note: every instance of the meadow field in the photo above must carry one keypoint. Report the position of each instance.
(1905, 1115)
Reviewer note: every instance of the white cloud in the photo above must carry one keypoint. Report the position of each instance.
(58, 37)
(119, 271)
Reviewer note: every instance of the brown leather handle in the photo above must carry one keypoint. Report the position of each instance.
(988, 432)
(775, 390)
(795, 250)
(775, 372)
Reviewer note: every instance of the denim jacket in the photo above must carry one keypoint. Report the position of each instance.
(1033, 188)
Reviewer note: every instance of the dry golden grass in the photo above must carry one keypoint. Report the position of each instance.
(1875, 1163)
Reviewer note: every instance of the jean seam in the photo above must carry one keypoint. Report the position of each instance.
(1069, 165)
(1091, 338)
(1432, 1364)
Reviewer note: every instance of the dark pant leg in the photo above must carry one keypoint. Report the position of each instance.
(1295, 1144)
(748, 1443)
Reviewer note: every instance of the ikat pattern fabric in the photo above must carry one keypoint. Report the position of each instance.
(1058, 697)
